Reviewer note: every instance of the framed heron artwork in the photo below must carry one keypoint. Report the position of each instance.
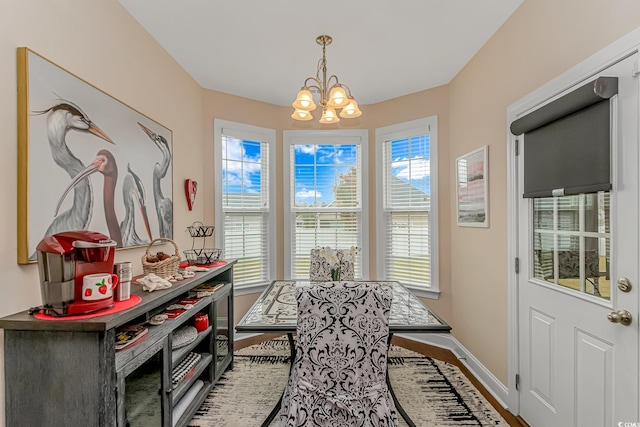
(87, 161)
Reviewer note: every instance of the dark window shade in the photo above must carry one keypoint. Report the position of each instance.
(567, 148)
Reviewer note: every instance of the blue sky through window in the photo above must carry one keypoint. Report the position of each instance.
(410, 162)
(319, 168)
(242, 171)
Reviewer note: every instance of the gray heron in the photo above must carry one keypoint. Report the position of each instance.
(164, 205)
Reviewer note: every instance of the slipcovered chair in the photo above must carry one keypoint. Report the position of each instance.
(338, 377)
(332, 265)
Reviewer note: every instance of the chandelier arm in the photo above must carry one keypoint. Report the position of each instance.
(329, 85)
(316, 81)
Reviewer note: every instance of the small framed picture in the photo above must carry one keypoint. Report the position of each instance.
(472, 190)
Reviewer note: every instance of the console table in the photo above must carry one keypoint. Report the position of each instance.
(68, 373)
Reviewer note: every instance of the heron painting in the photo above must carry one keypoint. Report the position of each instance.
(63, 122)
(133, 191)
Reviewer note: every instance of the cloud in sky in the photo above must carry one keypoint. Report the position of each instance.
(308, 194)
(419, 169)
(306, 149)
(238, 171)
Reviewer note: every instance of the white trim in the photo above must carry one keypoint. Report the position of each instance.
(259, 134)
(479, 371)
(588, 68)
(253, 288)
(426, 125)
(421, 291)
(513, 368)
(239, 336)
(355, 136)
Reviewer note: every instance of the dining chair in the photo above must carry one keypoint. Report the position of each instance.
(338, 377)
(328, 264)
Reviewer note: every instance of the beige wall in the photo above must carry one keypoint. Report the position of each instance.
(540, 41)
(100, 42)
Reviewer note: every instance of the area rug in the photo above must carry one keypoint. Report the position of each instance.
(432, 392)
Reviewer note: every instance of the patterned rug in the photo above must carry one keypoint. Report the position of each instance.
(432, 392)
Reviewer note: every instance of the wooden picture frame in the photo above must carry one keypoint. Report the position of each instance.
(472, 190)
(70, 132)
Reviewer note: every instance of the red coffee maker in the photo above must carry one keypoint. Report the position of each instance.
(63, 261)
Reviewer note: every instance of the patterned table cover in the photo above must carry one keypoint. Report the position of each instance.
(275, 310)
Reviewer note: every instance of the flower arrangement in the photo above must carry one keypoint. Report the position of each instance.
(338, 258)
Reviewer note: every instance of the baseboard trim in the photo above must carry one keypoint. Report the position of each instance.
(482, 374)
(239, 336)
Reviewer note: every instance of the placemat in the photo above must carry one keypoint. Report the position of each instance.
(118, 306)
(185, 264)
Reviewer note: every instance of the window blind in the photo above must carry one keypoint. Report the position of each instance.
(567, 142)
(406, 190)
(245, 206)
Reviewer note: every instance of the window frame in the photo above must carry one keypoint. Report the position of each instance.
(329, 137)
(423, 126)
(253, 133)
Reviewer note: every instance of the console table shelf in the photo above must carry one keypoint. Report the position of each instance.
(67, 372)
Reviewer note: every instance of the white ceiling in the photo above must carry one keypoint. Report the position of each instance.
(265, 49)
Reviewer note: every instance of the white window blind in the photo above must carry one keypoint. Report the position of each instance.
(325, 198)
(406, 205)
(245, 205)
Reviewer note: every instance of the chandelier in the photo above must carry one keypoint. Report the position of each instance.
(333, 94)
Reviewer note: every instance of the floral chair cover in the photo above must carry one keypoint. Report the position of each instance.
(338, 378)
(329, 265)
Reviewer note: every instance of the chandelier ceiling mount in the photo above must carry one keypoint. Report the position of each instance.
(333, 94)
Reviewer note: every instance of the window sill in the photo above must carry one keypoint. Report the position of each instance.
(250, 288)
(423, 292)
(255, 288)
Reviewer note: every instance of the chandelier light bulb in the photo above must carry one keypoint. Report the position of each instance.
(304, 100)
(350, 110)
(337, 97)
(329, 116)
(303, 115)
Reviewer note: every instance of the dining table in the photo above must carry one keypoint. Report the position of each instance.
(275, 311)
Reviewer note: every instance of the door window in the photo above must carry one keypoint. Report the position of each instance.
(571, 236)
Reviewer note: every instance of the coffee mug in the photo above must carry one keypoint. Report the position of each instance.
(98, 286)
(201, 321)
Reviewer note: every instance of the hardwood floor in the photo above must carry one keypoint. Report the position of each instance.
(427, 350)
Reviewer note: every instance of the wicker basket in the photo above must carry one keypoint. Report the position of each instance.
(165, 268)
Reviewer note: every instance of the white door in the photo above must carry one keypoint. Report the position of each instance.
(576, 367)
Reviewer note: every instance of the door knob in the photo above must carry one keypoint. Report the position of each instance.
(621, 316)
(624, 284)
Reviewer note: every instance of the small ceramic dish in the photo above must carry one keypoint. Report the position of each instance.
(158, 319)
